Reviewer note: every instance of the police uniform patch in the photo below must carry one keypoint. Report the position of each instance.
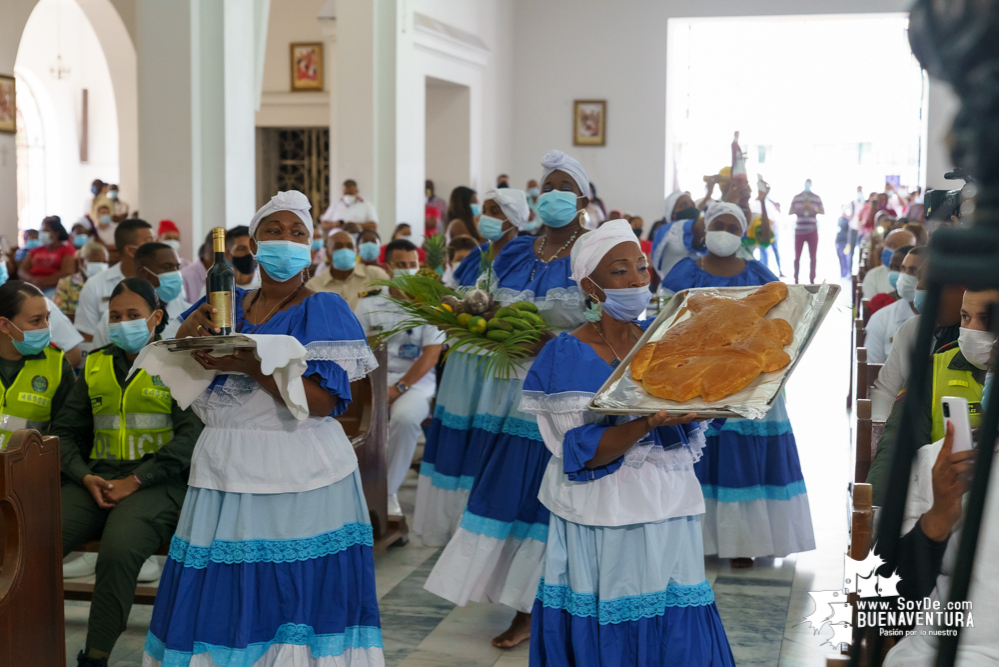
(39, 383)
(157, 381)
(371, 292)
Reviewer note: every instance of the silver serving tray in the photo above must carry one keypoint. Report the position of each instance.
(765, 388)
(218, 345)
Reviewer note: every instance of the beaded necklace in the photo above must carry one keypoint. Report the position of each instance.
(541, 251)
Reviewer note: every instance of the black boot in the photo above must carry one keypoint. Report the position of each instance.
(84, 661)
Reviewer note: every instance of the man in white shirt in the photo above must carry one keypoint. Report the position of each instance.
(412, 356)
(876, 279)
(881, 328)
(96, 293)
(158, 264)
(351, 208)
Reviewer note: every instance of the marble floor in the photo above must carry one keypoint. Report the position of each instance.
(761, 607)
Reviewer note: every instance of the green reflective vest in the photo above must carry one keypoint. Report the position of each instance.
(948, 381)
(131, 423)
(27, 402)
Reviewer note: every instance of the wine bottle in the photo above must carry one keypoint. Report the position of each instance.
(220, 285)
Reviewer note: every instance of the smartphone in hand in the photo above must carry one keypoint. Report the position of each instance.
(955, 411)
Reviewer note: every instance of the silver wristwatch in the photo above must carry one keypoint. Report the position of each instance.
(401, 387)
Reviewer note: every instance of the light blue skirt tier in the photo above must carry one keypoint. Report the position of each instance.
(255, 580)
(626, 595)
(497, 551)
(754, 492)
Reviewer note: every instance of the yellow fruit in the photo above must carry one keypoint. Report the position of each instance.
(446, 307)
(498, 335)
(525, 305)
(477, 325)
(497, 323)
(518, 323)
(464, 319)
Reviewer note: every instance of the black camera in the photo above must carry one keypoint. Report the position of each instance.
(942, 204)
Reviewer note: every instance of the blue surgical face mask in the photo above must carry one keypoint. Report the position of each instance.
(283, 260)
(80, 240)
(893, 278)
(557, 208)
(403, 272)
(317, 244)
(886, 256)
(105, 219)
(476, 210)
(491, 228)
(35, 340)
(130, 336)
(808, 186)
(919, 301)
(94, 189)
(44, 238)
(31, 244)
(368, 251)
(4, 276)
(533, 192)
(344, 259)
(171, 285)
(626, 304)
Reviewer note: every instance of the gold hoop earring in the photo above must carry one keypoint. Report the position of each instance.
(582, 218)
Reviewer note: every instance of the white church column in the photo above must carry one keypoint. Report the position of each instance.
(197, 97)
(363, 103)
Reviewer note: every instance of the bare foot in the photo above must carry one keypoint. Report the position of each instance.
(740, 563)
(519, 630)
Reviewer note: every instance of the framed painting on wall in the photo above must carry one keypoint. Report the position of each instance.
(307, 66)
(8, 105)
(589, 123)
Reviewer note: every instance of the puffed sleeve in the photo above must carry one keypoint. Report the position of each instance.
(337, 350)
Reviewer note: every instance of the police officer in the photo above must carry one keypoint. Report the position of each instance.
(128, 480)
(412, 355)
(35, 376)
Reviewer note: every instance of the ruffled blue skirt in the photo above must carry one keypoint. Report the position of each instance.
(754, 493)
(626, 595)
(267, 580)
(497, 552)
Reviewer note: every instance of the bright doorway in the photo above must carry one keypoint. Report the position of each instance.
(448, 135)
(840, 100)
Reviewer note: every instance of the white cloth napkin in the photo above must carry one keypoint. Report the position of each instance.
(282, 357)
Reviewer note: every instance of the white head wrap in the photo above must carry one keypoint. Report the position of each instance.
(514, 205)
(671, 200)
(558, 161)
(292, 200)
(718, 208)
(591, 247)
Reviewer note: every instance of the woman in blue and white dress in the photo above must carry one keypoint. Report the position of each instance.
(681, 237)
(624, 579)
(754, 491)
(454, 445)
(272, 560)
(497, 551)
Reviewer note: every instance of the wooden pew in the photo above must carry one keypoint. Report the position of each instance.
(31, 610)
(866, 374)
(856, 342)
(366, 424)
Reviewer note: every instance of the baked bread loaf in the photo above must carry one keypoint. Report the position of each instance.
(722, 347)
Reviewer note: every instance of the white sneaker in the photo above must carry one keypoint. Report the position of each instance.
(393, 505)
(84, 566)
(151, 570)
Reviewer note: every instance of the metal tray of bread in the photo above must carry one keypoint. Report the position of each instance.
(805, 307)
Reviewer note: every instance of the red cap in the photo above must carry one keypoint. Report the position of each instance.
(167, 226)
(432, 212)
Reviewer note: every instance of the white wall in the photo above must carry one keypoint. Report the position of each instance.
(448, 134)
(291, 21)
(593, 49)
(68, 180)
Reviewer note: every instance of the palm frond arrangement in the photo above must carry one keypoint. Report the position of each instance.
(427, 301)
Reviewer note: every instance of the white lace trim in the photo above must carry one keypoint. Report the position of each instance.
(571, 296)
(353, 356)
(675, 458)
(538, 402)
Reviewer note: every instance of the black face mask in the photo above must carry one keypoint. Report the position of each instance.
(692, 213)
(244, 264)
(638, 232)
